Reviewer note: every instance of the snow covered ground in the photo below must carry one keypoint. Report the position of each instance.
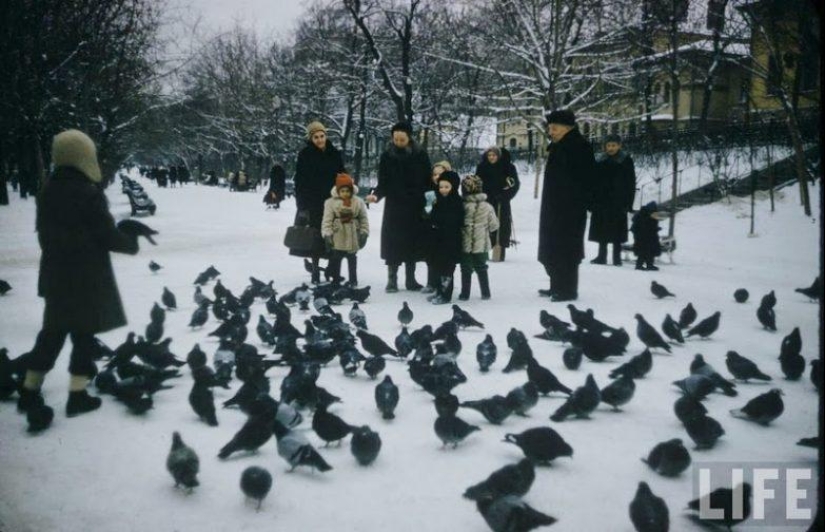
(106, 471)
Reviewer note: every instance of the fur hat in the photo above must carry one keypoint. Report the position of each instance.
(452, 178)
(613, 138)
(342, 181)
(444, 164)
(494, 149)
(406, 127)
(74, 148)
(472, 184)
(315, 127)
(563, 117)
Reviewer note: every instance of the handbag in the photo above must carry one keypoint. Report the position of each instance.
(304, 238)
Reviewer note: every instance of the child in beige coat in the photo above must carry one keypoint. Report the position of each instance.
(345, 228)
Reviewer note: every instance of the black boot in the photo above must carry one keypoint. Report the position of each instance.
(552, 290)
(432, 280)
(445, 290)
(333, 271)
(28, 399)
(484, 283)
(617, 254)
(352, 270)
(466, 279)
(567, 283)
(640, 264)
(81, 402)
(392, 279)
(39, 415)
(409, 277)
(601, 258)
(316, 271)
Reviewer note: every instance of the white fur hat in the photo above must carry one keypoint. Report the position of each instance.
(74, 148)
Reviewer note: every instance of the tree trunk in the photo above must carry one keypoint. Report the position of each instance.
(674, 133)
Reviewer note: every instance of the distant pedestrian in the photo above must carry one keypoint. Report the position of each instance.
(501, 184)
(345, 228)
(277, 187)
(645, 229)
(479, 221)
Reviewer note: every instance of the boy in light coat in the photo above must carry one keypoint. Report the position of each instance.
(345, 228)
(479, 221)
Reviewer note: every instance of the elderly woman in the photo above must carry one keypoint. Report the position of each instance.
(501, 183)
(318, 164)
(403, 178)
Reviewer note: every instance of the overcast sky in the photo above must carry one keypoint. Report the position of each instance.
(268, 17)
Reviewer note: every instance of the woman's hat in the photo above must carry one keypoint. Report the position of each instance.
(315, 127)
(494, 149)
(74, 148)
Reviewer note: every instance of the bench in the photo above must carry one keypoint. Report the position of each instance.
(140, 203)
(667, 243)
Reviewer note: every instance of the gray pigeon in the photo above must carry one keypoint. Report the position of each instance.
(743, 368)
(357, 317)
(452, 430)
(513, 479)
(486, 353)
(648, 513)
(386, 397)
(706, 327)
(687, 316)
(704, 431)
(405, 315)
(672, 330)
(511, 514)
(296, 449)
(365, 445)
(669, 458)
(619, 392)
(648, 335)
(523, 398)
(183, 463)
(763, 408)
(168, 299)
(581, 402)
(256, 483)
(659, 290)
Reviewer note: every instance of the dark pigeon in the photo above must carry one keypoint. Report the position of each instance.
(741, 295)
(619, 392)
(704, 431)
(486, 353)
(452, 430)
(196, 358)
(572, 357)
(154, 266)
(183, 463)
(687, 407)
(203, 403)
(374, 365)
(648, 513)
(329, 427)
(743, 368)
(513, 479)
(199, 316)
(446, 404)
(510, 513)
(669, 458)
(659, 290)
(541, 445)
(5, 287)
(523, 398)
(648, 335)
(374, 345)
(581, 402)
(404, 344)
(296, 449)
(157, 314)
(813, 292)
(791, 344)
(812, 441)
(767, 317)
(168, 299)
(706, 327)
(544, 379)
(255, 432)
(793, 366)
(768, 300)
(672, 330)
(495, 409)
(154, 331)
(637, 367)
(463, 319)
(520, 356)
(687, 316)
(405, 315)
(256, 483)
(365, 445)
(726, 500)
(816, 374)
(699, 367)
(386, 397)
(763, 408)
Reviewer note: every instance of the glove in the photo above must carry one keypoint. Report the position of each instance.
(302, 218)
(362, 240)
(135, 229)
(328, 242)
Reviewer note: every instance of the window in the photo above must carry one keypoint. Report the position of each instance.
(513, 143)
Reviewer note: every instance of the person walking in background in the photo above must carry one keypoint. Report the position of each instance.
(277, 187)
(567, 177)
(447, 221)
(318, 164)
(501, 184)
(403, 177)
(345, 228)
(645, 229)
(430, 249)
(479, 221)
(614, 187)
(76, 232)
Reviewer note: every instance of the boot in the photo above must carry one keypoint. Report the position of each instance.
(81, 402)
(28, 399)
(316, 272)
(352, 270)
(432, 282)
(617, 254)
(567, 287)
(601, 258)
(445, 291)
(466, 279)
(409, 278)
(484, 283)
(640, 264)
(392, 279)
(333, 270)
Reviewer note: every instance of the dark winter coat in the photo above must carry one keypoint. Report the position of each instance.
(447, 222)
(614, 186)
(315, 174)
(563, 217)
(403, 178)
(645, 231)
(501, 184)
(277, 183)
(76, 233)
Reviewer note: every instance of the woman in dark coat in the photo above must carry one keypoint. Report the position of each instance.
(318, 164)
(501, 183)
(567, 178)
(76, 232)
(614, 187)
(277, 187)
(403, 178)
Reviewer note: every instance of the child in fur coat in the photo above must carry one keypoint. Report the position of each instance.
(345, 228)
(479, 221)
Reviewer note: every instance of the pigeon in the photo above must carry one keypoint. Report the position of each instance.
(687, 316)
(812, 441)
(405, 315)
(365, 445)
(296, 450)
(791, 344)
(549, 321)
(572, 357)
(486, 353)
(452, 430)
(203, 403)
(510, 513)
(581, 402)
(768, 300)
(359, 295)
(648, 335)
(446, 404)
(154, 331)
(256, 483)
(816, 374)
(728, 501)
(357, 317)
(541, 445)
(687, 407)
(703, 430)
(523, 398)
(404, 344)
(699, 367)
(813, 292)
(183, 463)
(265, 331)
(5, 287)
(512, 479)
(135, 228)
(199, 316)
(637, 367)
(386, 397)
(619, 392)
(672, 330)
(168, 299)
(793, 365)
(669, 458)
(648, 513)
(463, 319)
(448, 328)
(202, 279)
(741, 295)
(544, 379)
(494, 409)
(329, 427)
(157, 314)
(706, 327)
(255, 432)
(743, 368)
(154, 266)
(659, 290)
(763, 408)
(697, 386)
(519, 357)
(373, 365)
(374, 345)
(767, 317)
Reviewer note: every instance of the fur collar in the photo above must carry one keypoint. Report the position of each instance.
(476, 198)
(334, 192)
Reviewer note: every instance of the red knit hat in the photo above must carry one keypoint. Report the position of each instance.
(343, 180)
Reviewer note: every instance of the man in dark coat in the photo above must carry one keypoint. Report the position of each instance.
(403, 178)
(614, 188)
(318, 164)
(277, 187)
(501, 183)
(76, 232)
(567, 178)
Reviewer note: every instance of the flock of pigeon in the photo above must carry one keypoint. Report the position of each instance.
(144, 365)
